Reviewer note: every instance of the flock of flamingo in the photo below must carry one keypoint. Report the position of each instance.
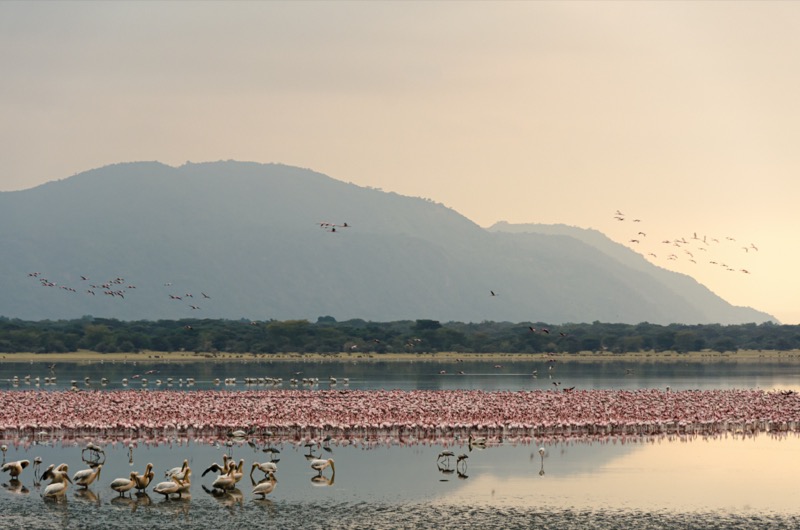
(442, 415)
(689, 249)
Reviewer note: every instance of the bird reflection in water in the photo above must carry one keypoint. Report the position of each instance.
(87, 496)
(227, 498)
(16, 487)
(321, 480)
(141, 499)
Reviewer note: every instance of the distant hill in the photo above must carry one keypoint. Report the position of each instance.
(249, 236)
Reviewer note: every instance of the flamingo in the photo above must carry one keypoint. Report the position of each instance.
(319, 464)
(85, 477)
(15, 468)
(266, 486)
(123, 485)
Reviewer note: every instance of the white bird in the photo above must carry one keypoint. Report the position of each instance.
(14, 468)
(169, 487)
(266, 467)
(541, 452)
(221, 469)
(142, 481)
(176, 485)
(84, 477)
(59, 478)
(177, 472)
(124, 485)
(319, 464)
(266, 486)
(226, 481)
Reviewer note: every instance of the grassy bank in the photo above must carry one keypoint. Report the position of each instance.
(442, 357)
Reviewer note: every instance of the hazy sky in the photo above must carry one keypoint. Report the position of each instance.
(683, 114)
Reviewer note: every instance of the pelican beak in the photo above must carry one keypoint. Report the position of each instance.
(333, 468)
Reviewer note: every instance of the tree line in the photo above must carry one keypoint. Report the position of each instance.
(327, 335)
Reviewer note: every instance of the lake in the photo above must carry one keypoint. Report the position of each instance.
(728, 481)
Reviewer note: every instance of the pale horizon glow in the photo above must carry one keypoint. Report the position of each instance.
(681, 114)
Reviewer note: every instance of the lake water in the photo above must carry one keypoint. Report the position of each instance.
(679, 482)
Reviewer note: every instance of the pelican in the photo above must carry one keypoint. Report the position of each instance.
(169, 487)
(238, 470)
(266, 486)
(142, 481)
(177, 472)
(123, 485)
(318, 465)
(51, 471)
(15, 468)
(266, 467)
(84, 477)
(221, 469)
(175, 485)
(226, 481)
(58, 483)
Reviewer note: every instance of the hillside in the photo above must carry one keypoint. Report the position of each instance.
(249, 237)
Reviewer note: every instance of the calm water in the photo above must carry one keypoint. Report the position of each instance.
(725, 482)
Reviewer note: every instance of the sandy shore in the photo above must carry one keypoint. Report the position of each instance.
(441, 357)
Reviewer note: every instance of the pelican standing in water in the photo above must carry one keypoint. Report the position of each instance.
(319, 464)
(85, 477)
(227, 481)
(175, 485)
(59, 478)
(221, 469)
(124, 485)
(15, 468)
(177, 472)
(266, 467)
(142, 481)
(266, 486)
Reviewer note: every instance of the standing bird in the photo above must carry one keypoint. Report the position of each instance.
(178, 472)
(318, 465)
(85, 477)
(266, 467)
(142, 481)
(227, 481)
(124, 485)
(15, 468)
(266, 486)
(58, 482)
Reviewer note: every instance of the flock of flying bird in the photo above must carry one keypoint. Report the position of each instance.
(177, 480)
(116, 288)
(690, 248)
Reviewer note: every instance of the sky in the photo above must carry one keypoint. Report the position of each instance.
(684, 115)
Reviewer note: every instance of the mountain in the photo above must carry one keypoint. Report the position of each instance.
(246, 240)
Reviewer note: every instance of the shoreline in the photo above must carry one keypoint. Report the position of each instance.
(753, 356)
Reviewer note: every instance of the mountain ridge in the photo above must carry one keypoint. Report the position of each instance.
(249, 235)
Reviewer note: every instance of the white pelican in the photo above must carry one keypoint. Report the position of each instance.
(238, 470)
(142, 481)
(177, 472)
(84, 477)
(58, 483)
(226, 481)
(318, 464)
(15, 468)
(123, 485)
(176, 485)
(221, 469)
(265, 487)
(169, 487)
(266, 467)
